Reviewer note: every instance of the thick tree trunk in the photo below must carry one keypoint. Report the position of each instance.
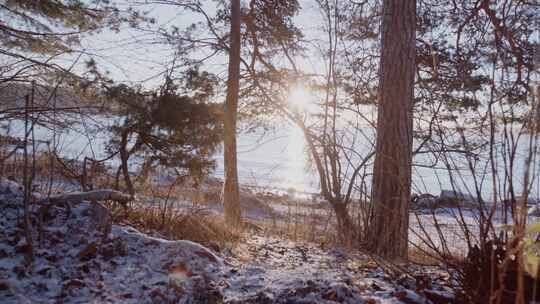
(392, 168)
(231, 195)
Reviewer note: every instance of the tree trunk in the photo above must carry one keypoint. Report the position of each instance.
(231, 195)
(345, 229)
(392, 168)
(124, 157)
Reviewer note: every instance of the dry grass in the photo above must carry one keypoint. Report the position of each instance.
(296, 231)
(299, 223)
(303, 221)
(163, 220)
(423, 257)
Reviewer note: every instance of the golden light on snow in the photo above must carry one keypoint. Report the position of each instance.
(299, 98)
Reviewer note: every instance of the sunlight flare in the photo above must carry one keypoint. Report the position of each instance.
(300, 98)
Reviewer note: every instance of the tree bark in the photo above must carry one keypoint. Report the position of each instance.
(391, 190)
(345, 228)
(124, 156)
(231, 194)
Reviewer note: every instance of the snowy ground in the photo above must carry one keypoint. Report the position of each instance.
(78, 260)
(278, 271)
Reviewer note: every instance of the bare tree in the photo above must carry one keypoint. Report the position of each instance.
(332, 125)
(392, 169)
(231, 194)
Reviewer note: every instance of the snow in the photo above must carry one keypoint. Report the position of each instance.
(453, 222)
(423, 230)
(75, 263)
(273, 270)
(9, 186)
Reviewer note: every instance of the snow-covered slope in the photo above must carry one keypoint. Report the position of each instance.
(79, 259)
(76, 261)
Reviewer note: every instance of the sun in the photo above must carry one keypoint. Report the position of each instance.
(299, 98)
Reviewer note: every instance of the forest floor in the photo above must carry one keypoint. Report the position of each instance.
(77, 260)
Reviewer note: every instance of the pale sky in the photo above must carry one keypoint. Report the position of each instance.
(131, 56)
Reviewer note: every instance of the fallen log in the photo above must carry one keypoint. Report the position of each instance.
(94, 195)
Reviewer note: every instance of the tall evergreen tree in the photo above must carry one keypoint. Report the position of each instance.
(170, 128)
(392, 169)
(231, 193)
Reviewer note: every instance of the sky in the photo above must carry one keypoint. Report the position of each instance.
(134, 56)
